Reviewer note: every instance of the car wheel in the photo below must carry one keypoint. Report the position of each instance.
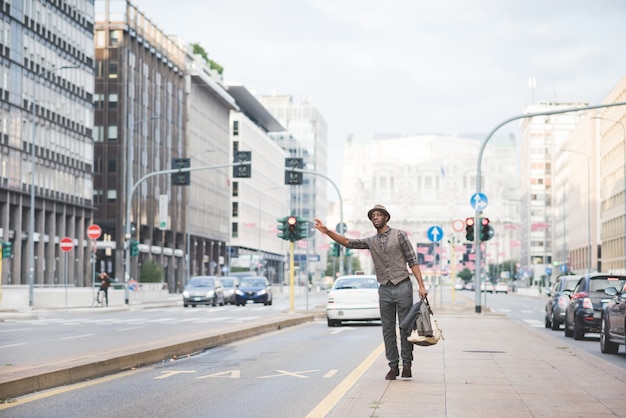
(554, 323)
(547, 322)
(193, 305)
(568, 332)
(578, 333)
(185, 305)
(606, 346)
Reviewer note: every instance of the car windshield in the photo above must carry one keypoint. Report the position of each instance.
(569, 284)
(601, 283)
(201, 282)
(252, 282)
(356, 284)
(228, 281)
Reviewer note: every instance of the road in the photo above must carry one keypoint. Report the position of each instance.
(281, 374)
(531, 311)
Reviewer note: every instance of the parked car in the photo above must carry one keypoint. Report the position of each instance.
(230, 284)
(613, 320)
(583, 313)
(353, 298)
(558, 299)
(203, 290)
(501, 287)
(486, 287)
(253, 288)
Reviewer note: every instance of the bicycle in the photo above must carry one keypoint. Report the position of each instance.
(100, 300)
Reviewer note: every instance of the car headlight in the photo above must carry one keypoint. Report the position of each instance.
(186, 294)
(210, 293)
(239, 292)
(261, 292)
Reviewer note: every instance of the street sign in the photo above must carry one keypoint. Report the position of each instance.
(67, 244)
(94, 231)
(458, 225)
(479, 201)
(435, 233)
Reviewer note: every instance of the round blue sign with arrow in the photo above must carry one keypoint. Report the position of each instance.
(479, 201)
(435, 233)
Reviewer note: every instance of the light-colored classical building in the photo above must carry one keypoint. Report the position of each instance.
(427, 181)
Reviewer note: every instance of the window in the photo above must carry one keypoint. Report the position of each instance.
(235, 209)
(113, 101)
(111, 195)
(235, 128)
(235, 230)
(115, 37)
(112, 136)
(112, 69)
(97, 196)
(97, 133)
(112, 166)
(235, 189)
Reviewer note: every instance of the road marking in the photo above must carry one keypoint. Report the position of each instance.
(323, 408)
(286, 373)
(128, 329)
(74, 337)
(342, 329)
(331, 373)
(534, 323)
(170, 373)
(233, 374)
(12, 345)
(15, 329)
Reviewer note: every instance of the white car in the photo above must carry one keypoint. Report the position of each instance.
(501, 287)
(353, 298)
(486, 287)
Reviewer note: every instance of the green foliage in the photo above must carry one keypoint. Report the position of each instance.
(466, 275)
(151, 272)
(198, 50)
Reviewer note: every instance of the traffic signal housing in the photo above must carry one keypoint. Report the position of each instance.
(134, 248)
(292, 228)
(293, 178)
(348, 252)
(334, 249)
(469, 229)
(181, 178)
(486, 230)
(302, 228)
(7, 250)
(242, 167)
(282, 228)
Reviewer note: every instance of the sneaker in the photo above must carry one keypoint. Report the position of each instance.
(406, 372)
(392, 373)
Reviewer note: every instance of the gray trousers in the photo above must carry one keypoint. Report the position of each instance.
(395, 303)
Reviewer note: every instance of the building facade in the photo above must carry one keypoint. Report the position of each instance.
(139, 129)
(46, 123)
(427, 181)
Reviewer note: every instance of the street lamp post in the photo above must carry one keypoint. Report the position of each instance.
(130, 139)
(624, 141)
(588, 206)
(33, 156)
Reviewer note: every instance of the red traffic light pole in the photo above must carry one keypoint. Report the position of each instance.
(478, 271)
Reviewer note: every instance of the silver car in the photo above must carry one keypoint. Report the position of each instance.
(203, 290)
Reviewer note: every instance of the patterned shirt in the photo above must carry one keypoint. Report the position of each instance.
(391, 253)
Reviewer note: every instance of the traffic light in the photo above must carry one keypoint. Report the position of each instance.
(292, 228)
(241, 170)
(293, 178)
(334, 250)
(469, 229)
(134, 248)
(7, 250)
(282, 227)
(181, 178)
(486, 231)
(302, 228)
(348, 252)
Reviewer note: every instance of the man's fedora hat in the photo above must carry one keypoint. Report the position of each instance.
(380, 208)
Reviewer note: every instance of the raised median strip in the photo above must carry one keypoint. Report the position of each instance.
(23, 380)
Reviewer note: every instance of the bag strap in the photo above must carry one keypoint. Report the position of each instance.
(425, 300)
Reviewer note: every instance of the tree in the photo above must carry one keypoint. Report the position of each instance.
(198, 50)
(151, 272)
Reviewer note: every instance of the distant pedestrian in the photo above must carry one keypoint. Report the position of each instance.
(391, 253)
(105, 283)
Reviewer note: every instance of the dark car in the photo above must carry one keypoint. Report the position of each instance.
(558, 300)
(583, 313)
(254, 288)
(230, 284)
(203, 290)
(613, 323)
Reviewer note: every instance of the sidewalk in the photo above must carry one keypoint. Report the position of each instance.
(490, 366)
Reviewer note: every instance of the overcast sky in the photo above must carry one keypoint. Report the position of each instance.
(408, 66)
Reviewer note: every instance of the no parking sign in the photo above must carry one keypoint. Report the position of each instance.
(133, 285)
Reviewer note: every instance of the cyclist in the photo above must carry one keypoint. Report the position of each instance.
(104, 287)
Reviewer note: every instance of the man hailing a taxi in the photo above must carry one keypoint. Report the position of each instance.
(391, 253)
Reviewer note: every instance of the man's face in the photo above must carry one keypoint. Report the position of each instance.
(379, 219)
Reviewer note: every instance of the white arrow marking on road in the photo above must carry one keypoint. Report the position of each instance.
(233, 374)
(171, 373)
(286, 373)
(331, 373)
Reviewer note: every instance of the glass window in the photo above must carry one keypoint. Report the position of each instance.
(112, 136)
(111, 195)
(112, 69)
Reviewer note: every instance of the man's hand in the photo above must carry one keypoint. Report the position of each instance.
(319, 225)
(423, 292)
